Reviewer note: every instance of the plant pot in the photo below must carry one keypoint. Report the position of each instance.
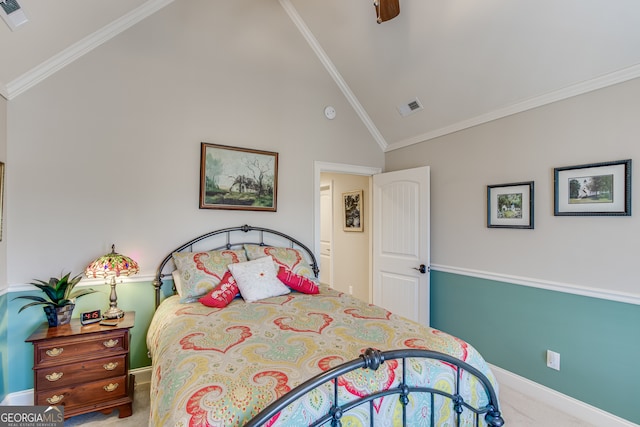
(57, 316)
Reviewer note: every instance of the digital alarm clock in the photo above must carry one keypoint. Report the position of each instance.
(89, 317)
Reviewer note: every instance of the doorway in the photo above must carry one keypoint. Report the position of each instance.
(350, 256)
(345, 251)
(326, 231)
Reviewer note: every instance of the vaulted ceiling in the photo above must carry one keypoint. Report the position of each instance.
(466, 62)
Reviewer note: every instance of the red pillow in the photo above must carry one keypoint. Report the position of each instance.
(297, 282)
(223, 293)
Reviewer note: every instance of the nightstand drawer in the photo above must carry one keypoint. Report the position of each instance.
(64, 350)
(82, 372)
(84, 394)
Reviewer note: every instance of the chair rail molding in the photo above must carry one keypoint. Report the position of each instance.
(543, 284)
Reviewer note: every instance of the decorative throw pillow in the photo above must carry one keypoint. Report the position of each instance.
(257, 279)
(297, 282)
(222, 294)
(292, 259)
(202, 271)
(177, 281)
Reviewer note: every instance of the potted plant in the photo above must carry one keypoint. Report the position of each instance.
(60, 298)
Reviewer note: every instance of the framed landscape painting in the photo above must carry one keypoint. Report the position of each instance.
(510, 205)
(597, 189)
(238, 178)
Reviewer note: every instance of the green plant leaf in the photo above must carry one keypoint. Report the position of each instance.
(48, 290)
(81, 293)
(58, 291)
(70, 284)
(38, 301)
(31, 297)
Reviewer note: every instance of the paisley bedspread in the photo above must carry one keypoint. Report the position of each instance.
(220, 367)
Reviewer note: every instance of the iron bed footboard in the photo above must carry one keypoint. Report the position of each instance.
(373, 359)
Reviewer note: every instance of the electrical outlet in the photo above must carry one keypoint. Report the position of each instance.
(553, 360)
(350, 290)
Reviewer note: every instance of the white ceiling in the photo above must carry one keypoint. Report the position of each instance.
(467, 61)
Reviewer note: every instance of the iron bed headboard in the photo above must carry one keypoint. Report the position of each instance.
(373, 359)
(230, 244)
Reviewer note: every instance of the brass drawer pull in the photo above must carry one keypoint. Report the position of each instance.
(55, 399)
(110, 366)
(55, 352)
(111, 387)
(111, 343)
(54, 376)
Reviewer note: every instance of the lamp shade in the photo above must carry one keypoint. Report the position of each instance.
(111, 265)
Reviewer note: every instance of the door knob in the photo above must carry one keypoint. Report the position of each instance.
(422, 269)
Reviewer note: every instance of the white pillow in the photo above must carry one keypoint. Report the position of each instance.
(258, 279)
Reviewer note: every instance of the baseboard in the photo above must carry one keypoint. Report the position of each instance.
(19, 398)
(562, 402)
(25, 397)
(143, 375)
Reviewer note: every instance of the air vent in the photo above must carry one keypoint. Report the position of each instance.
(12, 13)
(410, 107)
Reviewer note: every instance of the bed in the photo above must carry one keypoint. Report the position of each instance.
(305, 356)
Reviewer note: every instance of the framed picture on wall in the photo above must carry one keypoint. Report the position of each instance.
(597, 189)
(510, 205)
(352, 210)
(238, 178)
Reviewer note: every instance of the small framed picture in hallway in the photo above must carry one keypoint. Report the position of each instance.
(352, 210)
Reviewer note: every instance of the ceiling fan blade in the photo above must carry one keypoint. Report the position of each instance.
(386, 9)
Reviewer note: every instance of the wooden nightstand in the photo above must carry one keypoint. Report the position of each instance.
(83, 368)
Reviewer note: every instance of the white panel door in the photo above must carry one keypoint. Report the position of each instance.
(326, 233)
(401, 243)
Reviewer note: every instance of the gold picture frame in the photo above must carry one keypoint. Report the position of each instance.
(238, 178)
(352, 210)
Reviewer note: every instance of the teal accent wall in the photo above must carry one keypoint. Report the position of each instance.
(513, 326)
(18, 374)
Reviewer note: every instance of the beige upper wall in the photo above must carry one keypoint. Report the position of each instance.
(597, 252)
(107, 150)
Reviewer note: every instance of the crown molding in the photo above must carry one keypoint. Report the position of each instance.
(606, 80)
(82, 47)
(333, 72)
(3, 91)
